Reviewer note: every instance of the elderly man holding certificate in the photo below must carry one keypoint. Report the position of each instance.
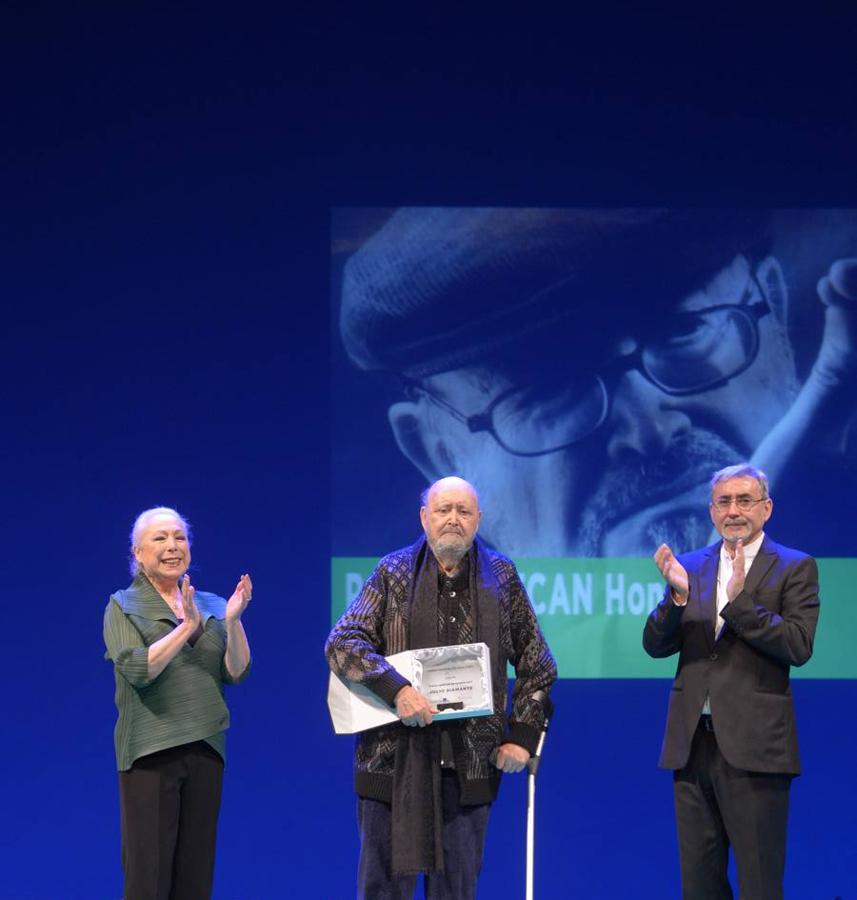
(425, 783)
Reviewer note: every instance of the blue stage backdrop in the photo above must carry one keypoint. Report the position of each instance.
(174, 327)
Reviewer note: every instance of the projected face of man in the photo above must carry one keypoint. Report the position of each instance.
(637, 436)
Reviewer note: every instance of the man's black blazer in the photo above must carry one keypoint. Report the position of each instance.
(770, 626)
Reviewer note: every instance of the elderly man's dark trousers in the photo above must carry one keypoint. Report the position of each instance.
(464, 830)
(718, 806)
(169, 802)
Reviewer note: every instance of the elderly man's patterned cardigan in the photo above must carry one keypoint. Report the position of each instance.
(376, 625)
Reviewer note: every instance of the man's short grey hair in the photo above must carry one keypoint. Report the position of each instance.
(743, 470)
(140, 525)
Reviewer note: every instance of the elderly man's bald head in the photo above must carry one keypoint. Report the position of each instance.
(450, 517)
(449, 482)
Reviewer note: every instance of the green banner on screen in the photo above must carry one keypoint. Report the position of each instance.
(592, 612)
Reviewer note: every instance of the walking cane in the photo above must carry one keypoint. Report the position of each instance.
(532, 771)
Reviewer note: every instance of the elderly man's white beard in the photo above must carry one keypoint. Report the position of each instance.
(449, 549)
(637, 507)
(634, 507)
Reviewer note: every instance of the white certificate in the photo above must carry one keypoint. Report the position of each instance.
(457, 680)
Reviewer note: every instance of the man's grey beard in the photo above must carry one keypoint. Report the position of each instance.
(626, 491)
(449, 550)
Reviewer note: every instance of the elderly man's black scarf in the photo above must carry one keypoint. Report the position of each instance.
(417, 806)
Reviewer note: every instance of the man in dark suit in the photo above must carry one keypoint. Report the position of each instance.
(739, 613)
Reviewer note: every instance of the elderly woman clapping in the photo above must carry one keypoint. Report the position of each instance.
(173, 648)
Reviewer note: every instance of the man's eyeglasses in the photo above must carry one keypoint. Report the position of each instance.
(745, 504)
(697, 351)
